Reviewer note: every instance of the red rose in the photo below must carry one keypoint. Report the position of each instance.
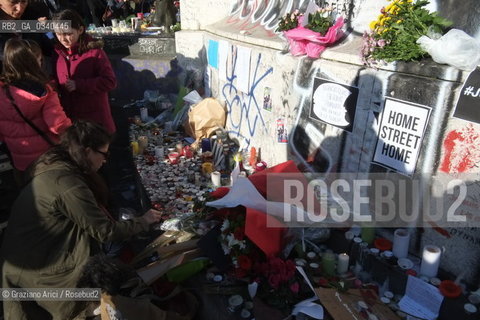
(294, 287)
(274, 281)
(240, 273)
(244, 262)
(239, 234)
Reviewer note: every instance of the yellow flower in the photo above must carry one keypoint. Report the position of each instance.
(399, 21)
(383, 20)
(373, 24)
(393, 9)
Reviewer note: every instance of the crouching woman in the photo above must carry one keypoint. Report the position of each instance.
(58, 221)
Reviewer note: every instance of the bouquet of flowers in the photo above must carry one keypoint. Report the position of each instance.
(278, 285)
(312, 32)
(394, 34)
(235, 244)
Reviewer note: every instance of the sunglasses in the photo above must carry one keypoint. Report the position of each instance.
(105, 154)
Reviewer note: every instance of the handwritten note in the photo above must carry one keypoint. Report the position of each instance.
(421, 299)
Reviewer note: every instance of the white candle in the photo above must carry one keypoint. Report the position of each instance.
(401, 241)
(430, 261)
(216, 179)
(342, 263)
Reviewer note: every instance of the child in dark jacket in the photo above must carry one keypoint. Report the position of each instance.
(83, 72)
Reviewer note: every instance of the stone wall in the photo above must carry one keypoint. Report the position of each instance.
(290, 82)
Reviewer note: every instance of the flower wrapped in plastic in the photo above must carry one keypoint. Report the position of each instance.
(305, 41)
(311, 33)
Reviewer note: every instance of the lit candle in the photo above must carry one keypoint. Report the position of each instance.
(430, 261)
(342, 263)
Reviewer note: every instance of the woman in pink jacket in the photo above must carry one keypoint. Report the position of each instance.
(83, 72)
(25, 96)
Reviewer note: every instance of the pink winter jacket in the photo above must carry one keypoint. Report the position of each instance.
(94, 78)
(24, 143)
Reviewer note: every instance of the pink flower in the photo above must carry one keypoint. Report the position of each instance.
(274, 281)
(294, 287)
(381, 43)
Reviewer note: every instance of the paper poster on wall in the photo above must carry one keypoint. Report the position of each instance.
(223, 48)
(267, 98)
(468, 103)
(400, 134)
(212, 53)
(282, 134)
(334, 103)
(242, 69)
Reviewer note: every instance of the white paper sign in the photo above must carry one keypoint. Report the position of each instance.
(328, 103)
(421, 299)
(223, 49)
(402, 126)
(242, 69)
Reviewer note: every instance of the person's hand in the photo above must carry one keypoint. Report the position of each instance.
(152, 216)
(70, 85)
(42, 19)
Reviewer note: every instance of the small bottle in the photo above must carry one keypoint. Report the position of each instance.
(236, 170)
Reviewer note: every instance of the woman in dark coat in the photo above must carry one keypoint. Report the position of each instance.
(59, 221)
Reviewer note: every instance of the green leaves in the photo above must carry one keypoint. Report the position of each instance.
(399, 27)
(318, 23)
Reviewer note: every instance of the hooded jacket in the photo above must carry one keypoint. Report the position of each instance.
(24, 143)
(94, 78)
(55, 226)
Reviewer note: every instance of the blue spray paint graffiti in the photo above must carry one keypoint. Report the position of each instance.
(247, 104)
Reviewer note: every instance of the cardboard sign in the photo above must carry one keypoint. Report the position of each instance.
(400, 135)
(345, 305)
(334, 103)
(468, 105)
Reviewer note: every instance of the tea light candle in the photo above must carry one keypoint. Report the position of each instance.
(430, 261)
(401, 241)
(342, 263)
(311, 255)
(235, 302)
